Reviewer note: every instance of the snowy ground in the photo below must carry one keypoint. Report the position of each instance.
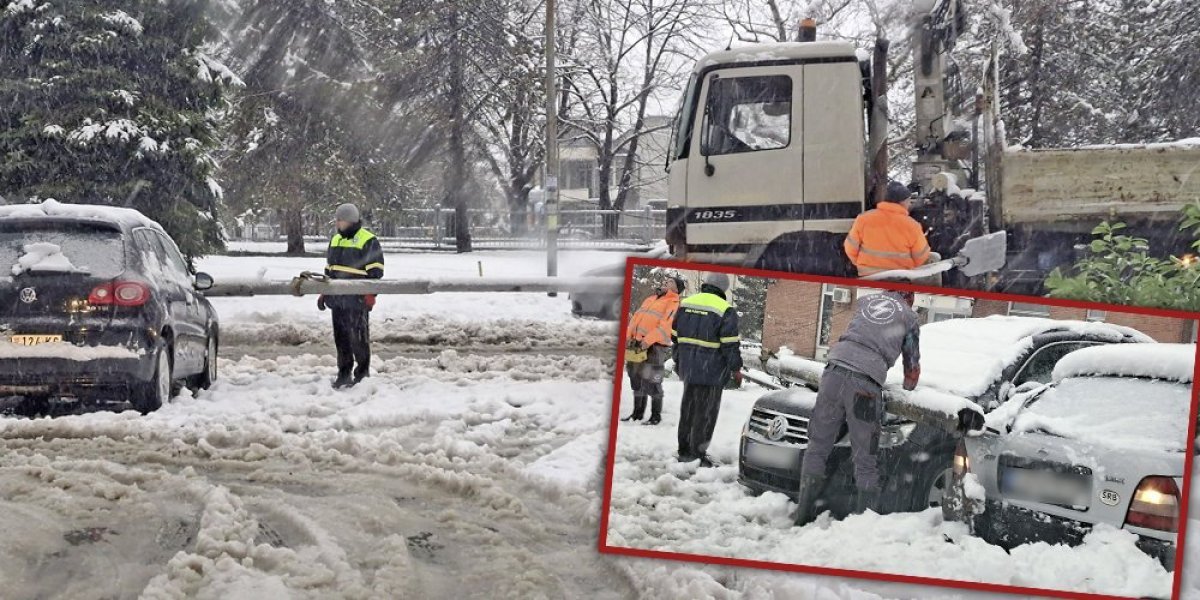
(470, 465)
(660, 504)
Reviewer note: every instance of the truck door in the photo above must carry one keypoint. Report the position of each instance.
(746, 157)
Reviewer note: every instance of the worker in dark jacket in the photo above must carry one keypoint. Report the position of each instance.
(707, 351)
(354, 253)
(884, 327)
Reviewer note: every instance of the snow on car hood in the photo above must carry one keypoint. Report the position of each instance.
(964, 356)
(1175, 362)
(1126, 413)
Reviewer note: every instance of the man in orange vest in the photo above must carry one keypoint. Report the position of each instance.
(886, 238)
(649, 337)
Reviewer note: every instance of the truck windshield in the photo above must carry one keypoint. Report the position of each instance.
(681, 129)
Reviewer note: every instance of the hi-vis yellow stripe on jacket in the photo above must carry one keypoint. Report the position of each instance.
(886, 238)
(651, 324)
(355, 254)
(707, 343)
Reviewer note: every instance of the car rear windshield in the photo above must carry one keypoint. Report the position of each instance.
(40, 249)
(1125, 412)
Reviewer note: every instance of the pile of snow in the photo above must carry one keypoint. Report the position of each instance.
(964, 356)
(660, 504)
(45, 258)
(1119, 412)
(54, 208)
(1176, 362)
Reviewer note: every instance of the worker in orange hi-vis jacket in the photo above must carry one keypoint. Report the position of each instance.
(648, 340)
(886, 238)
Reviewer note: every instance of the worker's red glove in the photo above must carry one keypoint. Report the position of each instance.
(370, 300)
(911, 377)
(737, 377)
(321, 302)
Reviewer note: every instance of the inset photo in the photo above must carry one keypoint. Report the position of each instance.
(898, 432)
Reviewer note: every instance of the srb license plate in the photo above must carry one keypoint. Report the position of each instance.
(770, 456)
(1045, 487)
(33, 340)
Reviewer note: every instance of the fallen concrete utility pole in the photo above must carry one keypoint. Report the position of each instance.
(896, 401)
(312, 283)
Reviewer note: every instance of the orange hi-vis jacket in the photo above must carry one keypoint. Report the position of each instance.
(652, 323)
(886, 238)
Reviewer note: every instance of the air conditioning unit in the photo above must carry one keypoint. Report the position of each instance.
(842, 295)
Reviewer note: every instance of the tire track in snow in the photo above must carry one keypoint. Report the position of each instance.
(414, 481)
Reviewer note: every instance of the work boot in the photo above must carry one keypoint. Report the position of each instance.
(655, 411)
(811, 487)
(866, 499)
(343, 380)
(707, 461)
(359, 376)
(639, 409)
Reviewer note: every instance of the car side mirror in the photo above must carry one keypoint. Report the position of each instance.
(202, 281)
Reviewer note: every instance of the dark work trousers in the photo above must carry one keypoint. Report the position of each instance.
(698, 418)
(857, 401)
(646, 377)
(352, 336)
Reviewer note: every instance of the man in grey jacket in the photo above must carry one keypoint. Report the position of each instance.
(883, 328)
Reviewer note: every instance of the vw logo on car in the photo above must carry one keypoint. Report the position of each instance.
(777, 428)
(28, 295)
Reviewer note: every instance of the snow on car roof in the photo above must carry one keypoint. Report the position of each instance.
(54, 208)
(964, 356)
(1175, 362)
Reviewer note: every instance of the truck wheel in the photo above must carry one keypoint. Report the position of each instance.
(151, 395)
(32, 406)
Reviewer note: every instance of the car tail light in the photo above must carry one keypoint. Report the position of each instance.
(962, 462)
(120, 293)
(1155, 505)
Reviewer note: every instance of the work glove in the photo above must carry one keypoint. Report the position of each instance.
(910, 379)
(970, 419)
(321, 302)
(370, 300)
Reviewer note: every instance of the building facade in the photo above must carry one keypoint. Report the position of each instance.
(807, 317)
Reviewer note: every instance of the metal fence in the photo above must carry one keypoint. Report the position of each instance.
(433, 228)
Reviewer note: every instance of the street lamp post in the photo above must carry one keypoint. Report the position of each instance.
(551, 175)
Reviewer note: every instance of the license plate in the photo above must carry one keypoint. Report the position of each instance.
(770, 456)
(33, 340)
(1045, 487)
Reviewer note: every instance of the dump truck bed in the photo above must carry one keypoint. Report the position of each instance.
(1074, 189)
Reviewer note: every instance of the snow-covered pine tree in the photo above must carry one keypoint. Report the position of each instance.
(113, 102)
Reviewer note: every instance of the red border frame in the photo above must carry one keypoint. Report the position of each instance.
(618, 384)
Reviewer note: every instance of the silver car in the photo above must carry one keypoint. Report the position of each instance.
(1103, 443)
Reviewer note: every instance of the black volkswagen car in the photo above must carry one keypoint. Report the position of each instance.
(985, 360)
(97, 303)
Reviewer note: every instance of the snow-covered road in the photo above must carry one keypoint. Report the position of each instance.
(661, 504)
(472, 469)
(440, 477)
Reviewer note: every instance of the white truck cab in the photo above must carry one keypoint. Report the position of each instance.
(769, 156)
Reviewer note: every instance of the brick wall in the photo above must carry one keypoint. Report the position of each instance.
(791, 316)
(1162, 329)
(793, 308)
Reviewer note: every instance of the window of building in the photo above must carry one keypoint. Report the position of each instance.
(578, 175)
(1096, 315)
(1028, 309)
(747, 114)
